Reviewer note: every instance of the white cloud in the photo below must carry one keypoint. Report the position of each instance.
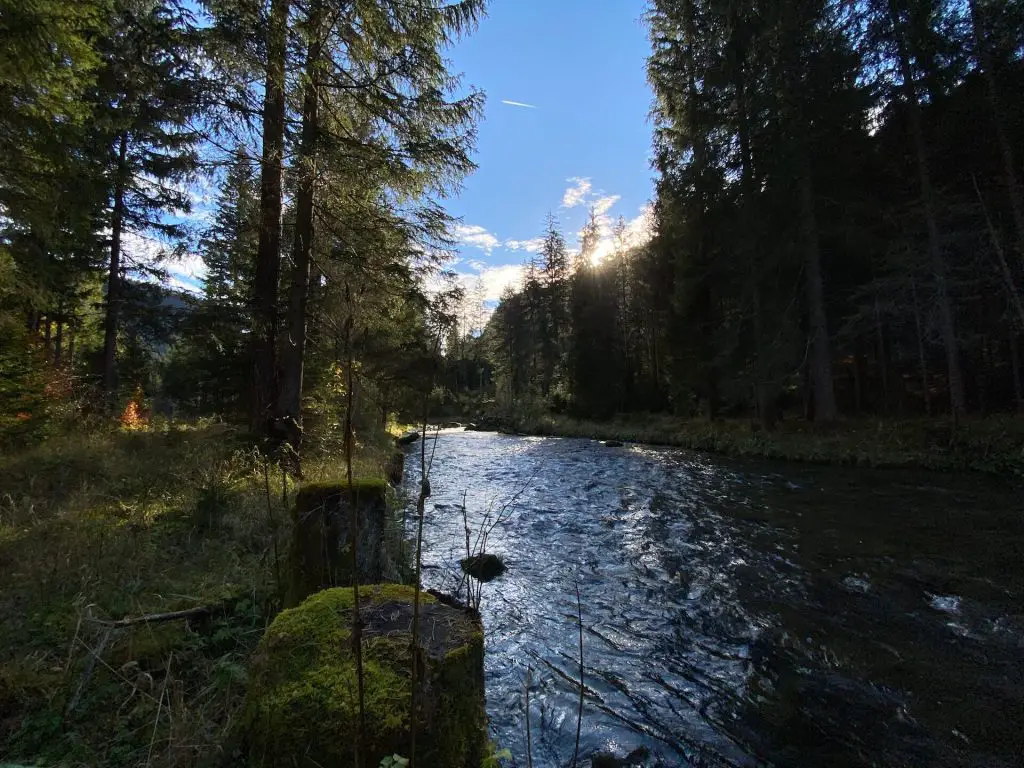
(139, 249)
(530, 246)
(577, 193)
(496, 279)
(518, 104)
(484, 285)
(185, 272)
(604, 204)
(640, 229)
(475, 236)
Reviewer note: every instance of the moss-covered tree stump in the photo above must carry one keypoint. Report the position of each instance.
(320, 556)
(302, 704)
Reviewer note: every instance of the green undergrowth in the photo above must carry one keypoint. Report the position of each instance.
(99, 523)
(994, 444)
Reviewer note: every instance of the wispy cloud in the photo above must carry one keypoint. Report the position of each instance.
(530, 246)
(476, 236)
(518, 104)
(489, 282)
(577, 193)
(602, 205)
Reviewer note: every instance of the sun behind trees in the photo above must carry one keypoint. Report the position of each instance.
(838, 225)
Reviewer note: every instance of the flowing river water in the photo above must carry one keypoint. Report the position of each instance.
(737, 613)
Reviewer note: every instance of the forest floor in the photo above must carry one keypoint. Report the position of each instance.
(102, 524)
(994, 444)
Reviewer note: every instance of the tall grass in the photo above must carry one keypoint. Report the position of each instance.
(99, 523)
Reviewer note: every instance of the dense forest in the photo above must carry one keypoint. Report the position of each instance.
(230, 339)
(839, 225)
(330, 133)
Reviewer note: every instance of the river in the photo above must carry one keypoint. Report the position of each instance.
(737, 613)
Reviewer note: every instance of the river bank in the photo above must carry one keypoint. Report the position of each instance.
(993, 445)
(100, 523)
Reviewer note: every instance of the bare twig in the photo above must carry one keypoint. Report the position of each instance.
(155, 618)
(421, 504)
(159, 709)
(87, 672)
(357, 625)
(273, 529)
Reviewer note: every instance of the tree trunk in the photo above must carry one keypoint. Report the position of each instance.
(762, 396)
(111, 320)
(922, 358)
(293, 351)
(268, 256)
(938, 260)
(820, 362)
(58, 341)
(1013, 185)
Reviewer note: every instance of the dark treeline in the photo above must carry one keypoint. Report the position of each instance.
(330, 131)
(839, 224)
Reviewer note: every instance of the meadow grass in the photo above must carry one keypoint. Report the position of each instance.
(102, 523)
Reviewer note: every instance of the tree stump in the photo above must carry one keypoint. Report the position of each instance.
(302, 704)
(319, 556)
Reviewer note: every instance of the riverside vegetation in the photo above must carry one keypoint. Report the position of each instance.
(101, 524)
(832, 270)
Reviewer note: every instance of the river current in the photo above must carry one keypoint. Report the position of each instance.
(736, 613)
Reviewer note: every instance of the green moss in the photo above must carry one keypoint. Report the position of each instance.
(302, 702)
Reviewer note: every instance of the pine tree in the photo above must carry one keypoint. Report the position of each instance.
(147, 92)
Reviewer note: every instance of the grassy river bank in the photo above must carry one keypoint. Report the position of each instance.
(993, 445)
(101, 523)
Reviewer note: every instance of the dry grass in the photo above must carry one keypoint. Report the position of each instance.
(107, 523)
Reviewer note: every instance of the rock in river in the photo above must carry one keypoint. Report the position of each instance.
(484, 567)
(407, 439)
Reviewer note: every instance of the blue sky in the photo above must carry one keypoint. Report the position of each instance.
(580, 64)
(583, 140)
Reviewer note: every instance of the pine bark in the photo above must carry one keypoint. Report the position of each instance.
(293, 350)
(820, 361)
(268, 256)
(113, 308)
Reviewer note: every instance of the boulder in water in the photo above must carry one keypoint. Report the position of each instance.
(407, 439)
(484, 567)
(301, 707)
(612, 443)
(319, 556)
